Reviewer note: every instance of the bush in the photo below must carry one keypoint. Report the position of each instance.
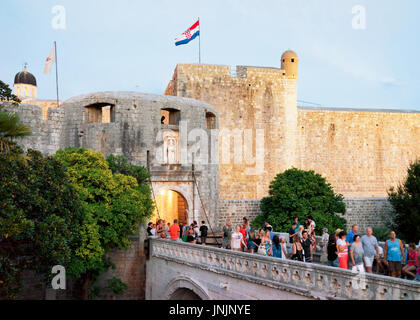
(406, 203)
(39, 215)
(113, 207)
(301, 193)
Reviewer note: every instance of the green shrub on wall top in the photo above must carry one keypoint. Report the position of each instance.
(301, 193)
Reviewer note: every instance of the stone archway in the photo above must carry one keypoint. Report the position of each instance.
(183, 192)
(184, 294)
(184, 288)
(171, 205)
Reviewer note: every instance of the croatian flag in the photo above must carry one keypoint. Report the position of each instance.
(189, 35)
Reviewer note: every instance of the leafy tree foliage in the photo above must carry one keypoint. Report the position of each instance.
(119, 164)
(6, 93)
(39, 216)
(301, 193)
(113, 207)
(406, 203)
(10, 125)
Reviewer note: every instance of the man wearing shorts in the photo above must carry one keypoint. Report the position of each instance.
(370, 248)
(394, 254)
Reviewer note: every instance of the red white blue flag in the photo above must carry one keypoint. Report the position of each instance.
(190, 34)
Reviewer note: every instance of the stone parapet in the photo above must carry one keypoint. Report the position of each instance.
(307, 280)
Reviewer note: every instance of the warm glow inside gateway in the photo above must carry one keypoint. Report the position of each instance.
(171, 205)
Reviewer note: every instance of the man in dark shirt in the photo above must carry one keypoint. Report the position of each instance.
(203, 232)
(306, 245)
(292, 232)
(149, 228)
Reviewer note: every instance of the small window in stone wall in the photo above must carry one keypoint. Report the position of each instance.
(170, 116)
(100, 113)
(210, 120)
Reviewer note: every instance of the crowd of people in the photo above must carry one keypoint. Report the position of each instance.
(177, 231)
(265, 242)
(359, 253)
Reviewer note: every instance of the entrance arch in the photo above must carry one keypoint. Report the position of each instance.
(171, 204)
(184, 294)
(184, 288)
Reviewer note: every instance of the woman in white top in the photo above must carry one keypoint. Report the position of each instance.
(237, 239)
(283, 247)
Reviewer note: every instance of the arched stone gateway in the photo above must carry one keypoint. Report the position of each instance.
(171, 205)
(184, 288)
(173, 201)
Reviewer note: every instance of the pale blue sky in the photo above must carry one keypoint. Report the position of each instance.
(128, 45)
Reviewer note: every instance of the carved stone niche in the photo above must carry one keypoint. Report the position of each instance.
(171, 147)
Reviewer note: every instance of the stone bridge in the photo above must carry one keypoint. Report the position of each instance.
(179, 270)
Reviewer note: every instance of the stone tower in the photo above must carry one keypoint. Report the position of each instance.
(257, 109)
(289, 63)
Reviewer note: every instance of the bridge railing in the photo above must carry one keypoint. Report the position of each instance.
(307, 279)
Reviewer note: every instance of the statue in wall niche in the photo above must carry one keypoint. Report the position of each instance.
(170, 147)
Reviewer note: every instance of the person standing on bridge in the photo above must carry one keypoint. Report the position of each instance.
(307, 246)
(411, 266)
(356, 254)
(332, 257)
(227, 235)
(370, 249)
(349, 239)
(174, 230)
(277, 247)
(394, 254)
(297, 251)
(267, 243)
(237, 241)
(203, 232)
(343, 253)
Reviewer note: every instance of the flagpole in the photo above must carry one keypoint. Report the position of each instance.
(199, 41)
(56, 71)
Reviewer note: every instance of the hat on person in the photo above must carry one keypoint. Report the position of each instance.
(338, 231)
(325, 230)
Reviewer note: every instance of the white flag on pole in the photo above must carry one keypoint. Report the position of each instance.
(50, 60)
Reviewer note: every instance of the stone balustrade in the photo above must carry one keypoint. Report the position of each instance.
(308, 280)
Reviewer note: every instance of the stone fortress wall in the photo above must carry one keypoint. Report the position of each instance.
(361, 152)
(133, 130)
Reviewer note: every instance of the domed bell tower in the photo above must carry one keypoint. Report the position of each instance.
(25, 85)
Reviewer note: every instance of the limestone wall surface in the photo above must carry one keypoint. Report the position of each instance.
(361, 153)
(364, 212)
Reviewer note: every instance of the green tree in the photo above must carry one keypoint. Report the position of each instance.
(301, 193)
(39, 215)
(119, 164)
(113, 206)
(406, 203)
(10, 125)
(6, 93)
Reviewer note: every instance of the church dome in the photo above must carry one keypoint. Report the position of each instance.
(25, 77)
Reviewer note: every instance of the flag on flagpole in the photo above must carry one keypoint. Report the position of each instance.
(50, 60)
(190, 34)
